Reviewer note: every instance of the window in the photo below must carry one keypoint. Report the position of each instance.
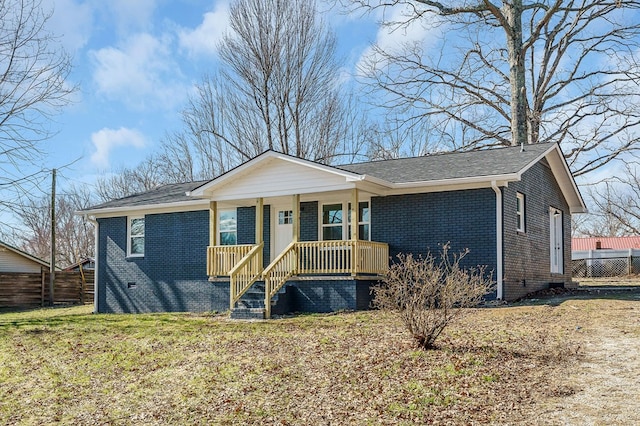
(228, 228)
(363, 220)
(334, 225)
(135, 231)
(332, 222)
(285, 217)
(520, 222)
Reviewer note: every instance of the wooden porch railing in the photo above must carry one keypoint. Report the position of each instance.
(222, 259)
(324, 257)
(245, 273)
(277, 273)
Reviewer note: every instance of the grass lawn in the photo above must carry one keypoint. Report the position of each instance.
(69, 366)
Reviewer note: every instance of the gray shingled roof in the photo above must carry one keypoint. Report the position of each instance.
(453, 165)
(170, 193)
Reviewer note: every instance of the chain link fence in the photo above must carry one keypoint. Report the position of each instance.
(605, 263)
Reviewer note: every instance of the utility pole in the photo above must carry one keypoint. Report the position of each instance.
(52, 264)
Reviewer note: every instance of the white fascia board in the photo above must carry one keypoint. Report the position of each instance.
(567, 183)
(460, 182)
(450, 186)
(199, 192)
(184, 206)
(284, 192)
(553, 147)
(349, 176)
(563, 175)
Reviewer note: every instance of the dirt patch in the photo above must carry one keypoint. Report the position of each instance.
(606, 378)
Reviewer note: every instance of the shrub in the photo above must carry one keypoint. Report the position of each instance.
(429, 292)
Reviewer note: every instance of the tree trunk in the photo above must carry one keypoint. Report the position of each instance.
(513, 14)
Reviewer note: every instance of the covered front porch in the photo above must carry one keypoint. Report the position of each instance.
(278, 218)
(281, 251)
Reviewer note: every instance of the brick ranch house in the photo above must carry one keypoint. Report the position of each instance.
(274, 234)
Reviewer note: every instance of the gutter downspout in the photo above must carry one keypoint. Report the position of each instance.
(94, 222)
(499, 230)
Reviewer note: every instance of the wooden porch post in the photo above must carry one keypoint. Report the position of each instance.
(354, 231)
(354, 214)
(213, 222)
(296, 218)
(259, 220)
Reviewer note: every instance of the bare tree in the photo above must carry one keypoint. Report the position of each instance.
(278, 88)
(127, 181)
(33, 88)
(74, 236)
(512, 72)
(616, 205)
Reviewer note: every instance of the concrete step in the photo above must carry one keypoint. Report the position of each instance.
(247, 313)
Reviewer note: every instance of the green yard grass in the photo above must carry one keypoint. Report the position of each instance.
(69, 366)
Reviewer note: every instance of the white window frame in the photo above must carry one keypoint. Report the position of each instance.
(331, 225)
(130, 219)
(220, 231)
(520, 212)
(360, 222)
(286, 218)
(345, 218)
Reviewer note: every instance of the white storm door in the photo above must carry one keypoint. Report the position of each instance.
(283, 229)
(556, 243)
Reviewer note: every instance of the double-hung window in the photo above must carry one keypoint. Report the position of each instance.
(520, 212)
(363, 220)
(135, 232)
(228, 235)
(335, 227)
(332, 215)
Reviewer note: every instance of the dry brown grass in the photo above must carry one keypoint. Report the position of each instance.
(498, 366)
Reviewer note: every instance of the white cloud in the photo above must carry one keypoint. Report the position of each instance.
(71, 21)
(204, 39)
(392, 38)
(132, 16)
(142, 73)
(105, 140)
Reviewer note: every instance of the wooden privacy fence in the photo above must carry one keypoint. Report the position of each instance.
(24, 289)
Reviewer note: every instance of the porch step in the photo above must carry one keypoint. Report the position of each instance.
(251, 304)
(247, 313)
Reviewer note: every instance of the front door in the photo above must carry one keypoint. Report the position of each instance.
(283, 229)
(556, 243)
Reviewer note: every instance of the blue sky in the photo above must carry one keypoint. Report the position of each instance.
(136, 61)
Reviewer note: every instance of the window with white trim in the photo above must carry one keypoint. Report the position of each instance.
(520, 212)
(285, 217)
(363, 220)
(334, 225)
(228, 228)
(135, 236)
(332, 221)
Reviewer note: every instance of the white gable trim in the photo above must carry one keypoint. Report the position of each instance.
(244, 168)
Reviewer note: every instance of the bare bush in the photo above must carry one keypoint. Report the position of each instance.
(429, 292)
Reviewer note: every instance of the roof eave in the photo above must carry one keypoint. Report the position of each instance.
(110, 211)
(502, 179)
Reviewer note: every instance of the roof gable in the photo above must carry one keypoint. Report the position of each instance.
(275, 174)
(4, 247)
